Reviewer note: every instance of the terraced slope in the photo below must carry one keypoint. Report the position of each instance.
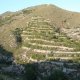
(41, 41)
(39, 33)
(41, 36)
(67, 21)
(46, 29)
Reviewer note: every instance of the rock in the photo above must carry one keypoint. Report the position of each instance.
(6, 58)
(16, 69)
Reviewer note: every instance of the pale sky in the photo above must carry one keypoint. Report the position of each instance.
(15, 5)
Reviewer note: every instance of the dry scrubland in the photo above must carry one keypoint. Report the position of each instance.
(40, 35)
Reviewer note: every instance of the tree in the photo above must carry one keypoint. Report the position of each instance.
(57, 75)
(17, 33)
(30, 72)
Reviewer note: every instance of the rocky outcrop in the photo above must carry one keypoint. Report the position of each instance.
(6, 58)
(14, 69)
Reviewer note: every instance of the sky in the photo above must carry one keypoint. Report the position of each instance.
(15, 5)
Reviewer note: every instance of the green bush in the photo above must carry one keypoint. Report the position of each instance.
(30, 72)
(57, 75)
(17, 33)
(27, 11)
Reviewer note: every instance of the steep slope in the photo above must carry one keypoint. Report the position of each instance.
(45, 29)
(40, 40)
(36, 42)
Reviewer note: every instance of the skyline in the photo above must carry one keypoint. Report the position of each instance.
(16, 5)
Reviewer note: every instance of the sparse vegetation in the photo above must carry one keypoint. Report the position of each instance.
(26, 11)
(38, 56)
(47, 37)
(5, 20)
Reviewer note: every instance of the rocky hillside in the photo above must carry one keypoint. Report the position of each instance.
(40, 29)
(38, 43)
(68, 22)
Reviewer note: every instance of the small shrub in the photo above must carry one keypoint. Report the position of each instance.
(17, 33)
(38, 56)
(57, 75)
(31, 72)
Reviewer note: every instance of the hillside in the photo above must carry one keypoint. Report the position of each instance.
(40, 42)
(45, 28)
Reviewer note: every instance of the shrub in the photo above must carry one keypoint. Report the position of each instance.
(27, 11)
(30, 72)
(38, 56)
(17, 33)
(57, 75)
